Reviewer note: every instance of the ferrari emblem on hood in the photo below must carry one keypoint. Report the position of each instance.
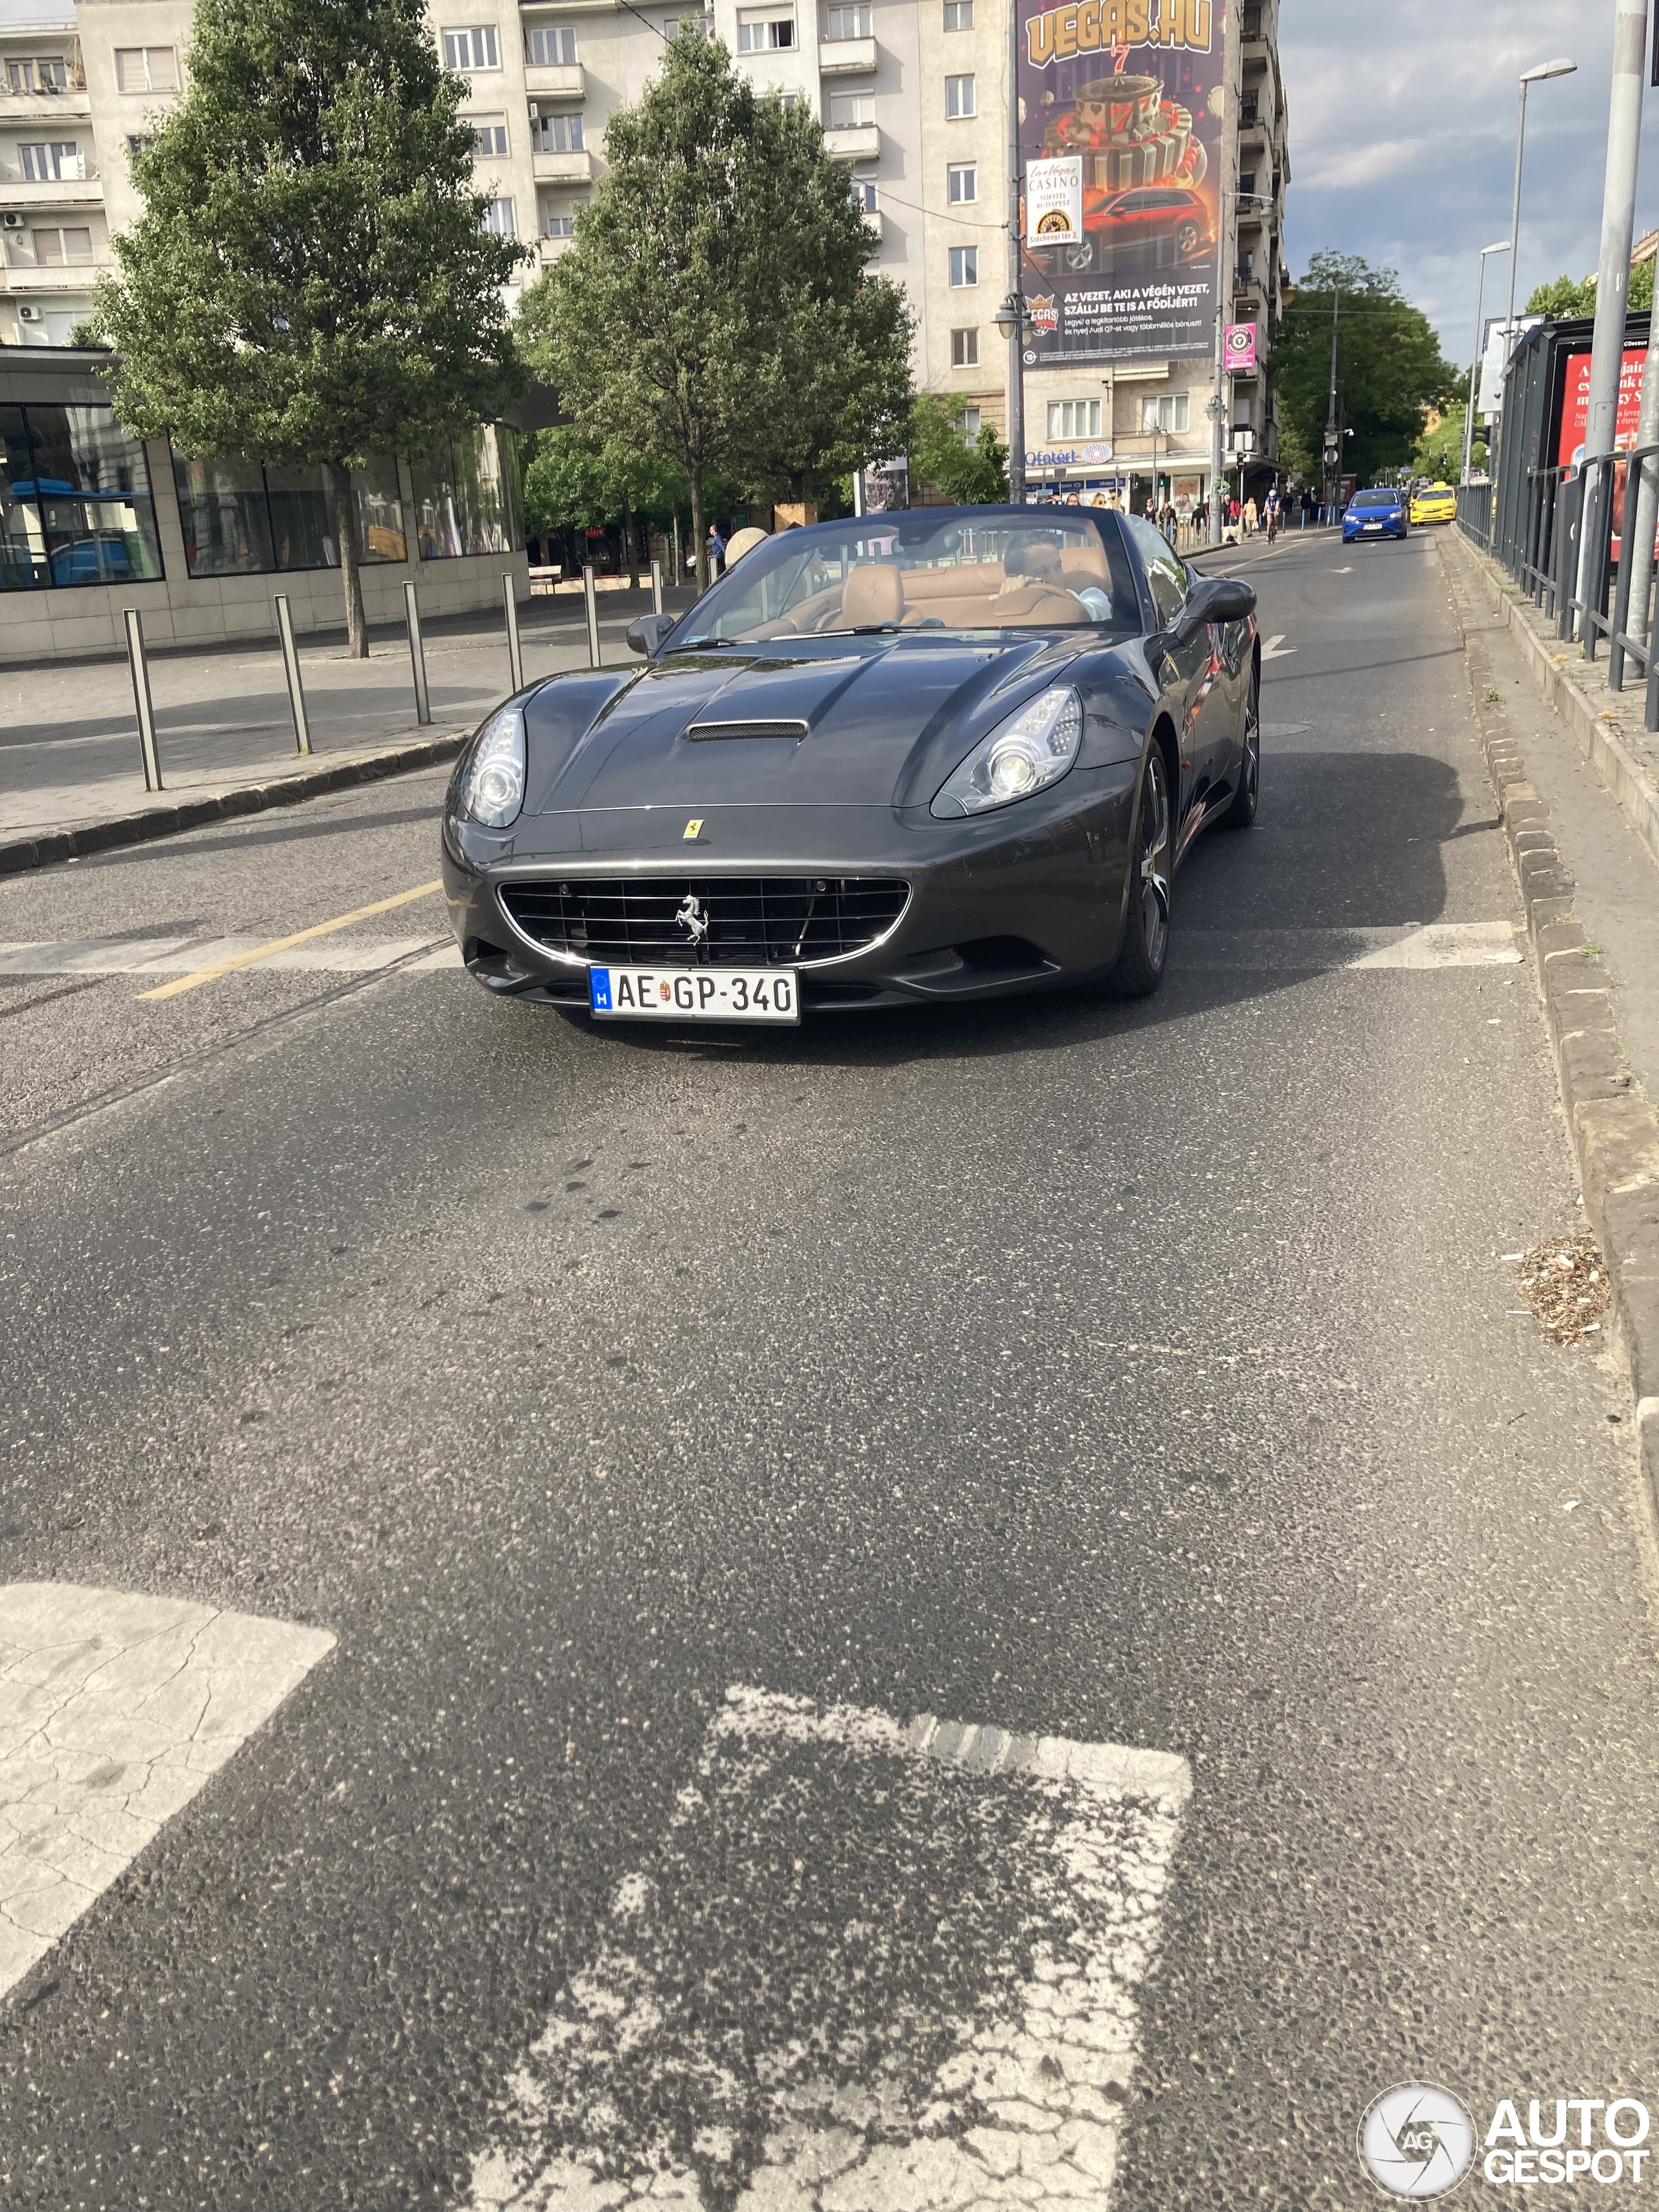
(693, 917)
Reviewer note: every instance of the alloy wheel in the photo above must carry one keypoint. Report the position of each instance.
(1155, 860)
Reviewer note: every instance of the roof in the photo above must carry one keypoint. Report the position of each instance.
(37, 14)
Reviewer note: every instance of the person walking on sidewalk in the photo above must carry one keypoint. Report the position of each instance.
(716, 551)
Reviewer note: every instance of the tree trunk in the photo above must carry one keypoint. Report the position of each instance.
(351, 578)
(699, 531)
(633, 546)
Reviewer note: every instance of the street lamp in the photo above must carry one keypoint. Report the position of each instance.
(1219, 408)
(1562, 67)
(1014, 321)
(1501, 247)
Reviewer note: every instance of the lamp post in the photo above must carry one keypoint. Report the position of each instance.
(1013, 320)
(1218, 409)
(1501, 247)
(1333, 447)
(1560, 67)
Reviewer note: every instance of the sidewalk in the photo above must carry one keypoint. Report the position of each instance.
(68, 742)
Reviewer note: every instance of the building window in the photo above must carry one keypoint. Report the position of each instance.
(462, 501)
(240, 519)
(473, 48)
(38, 76)
(847, 23)
(964, 265)
(764, 35)
(561, 226)
(557, 134)
(959, 97)
(964, 352)
(1169, 411)
(76, 504)
(1074, 418)
(146, 69)
(554, 47)
(851, 110)
(489, 134)
(970, 418)
(863, 188)
(498, 219)
(958, 14)
(136, 143)
(55, 248)
(961, 183)
(58, 162)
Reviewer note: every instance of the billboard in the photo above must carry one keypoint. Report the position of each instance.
(1240, 355)
(1130, 89)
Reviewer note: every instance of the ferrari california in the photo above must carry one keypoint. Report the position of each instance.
(945, 754)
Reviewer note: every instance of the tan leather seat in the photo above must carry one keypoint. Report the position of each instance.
(963, 580)
(874, 593)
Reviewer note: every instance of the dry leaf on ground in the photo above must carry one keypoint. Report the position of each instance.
(1565, 1281)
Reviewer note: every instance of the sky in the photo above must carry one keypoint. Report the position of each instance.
(1402, 119)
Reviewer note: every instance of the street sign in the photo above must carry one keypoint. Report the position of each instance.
(1241, 349)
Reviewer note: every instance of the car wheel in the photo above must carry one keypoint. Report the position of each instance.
(1081, 256)
(1241, 812)
(1139, 969)
(1188, 239)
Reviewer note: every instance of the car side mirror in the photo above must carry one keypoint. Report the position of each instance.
(1215, 599)
(647, 632)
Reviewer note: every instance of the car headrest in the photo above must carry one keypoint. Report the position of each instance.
(742, 542)
(1085, 561)
(874, 593)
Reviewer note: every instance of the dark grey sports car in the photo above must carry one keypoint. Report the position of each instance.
(949, 753)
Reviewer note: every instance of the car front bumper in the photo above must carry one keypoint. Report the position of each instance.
(1028, 898)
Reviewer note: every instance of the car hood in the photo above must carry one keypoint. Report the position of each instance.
(867, 721)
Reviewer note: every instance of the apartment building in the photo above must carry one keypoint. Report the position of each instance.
(915, 98)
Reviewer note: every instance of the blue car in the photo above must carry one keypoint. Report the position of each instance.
(1375, 514)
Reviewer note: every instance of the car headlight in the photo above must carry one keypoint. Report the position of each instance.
(1027, 753)
(492, 788)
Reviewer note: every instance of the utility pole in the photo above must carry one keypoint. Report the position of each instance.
(1630, 43)
(1332, 448)
(1220, 402)
(1016, 302)
(1501, 247)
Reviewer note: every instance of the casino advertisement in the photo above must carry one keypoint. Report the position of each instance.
(1120, 130)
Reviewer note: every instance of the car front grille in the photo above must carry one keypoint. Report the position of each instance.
(753, 921)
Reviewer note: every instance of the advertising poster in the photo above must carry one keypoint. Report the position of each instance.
(1241, 347)
(1575, 421)
(1131, 89)
(1053, 202)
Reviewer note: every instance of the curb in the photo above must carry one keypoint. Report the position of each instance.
(78, 841)
(1615, 1132)
(1596, 730)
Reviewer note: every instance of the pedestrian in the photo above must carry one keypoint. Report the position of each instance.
(716, 551)
(1252, 517)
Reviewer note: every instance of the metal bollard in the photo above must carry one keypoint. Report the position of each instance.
(592, 618)
(141, 700)
(296, 696)
(514, 651)
(656, 587)
(416, 655)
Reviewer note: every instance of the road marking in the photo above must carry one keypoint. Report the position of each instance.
(1428, 945)
(868, 1968)
(114, 1710)
(1348, 571)
(1276, 648)
(214, 969)
(163, 955)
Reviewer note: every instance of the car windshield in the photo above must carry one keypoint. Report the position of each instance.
(1376, 499)
(908, 571)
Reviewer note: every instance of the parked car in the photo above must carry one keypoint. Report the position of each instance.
(1148, 227)
(1378, 512)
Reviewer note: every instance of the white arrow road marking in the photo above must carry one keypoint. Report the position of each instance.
(1434, 945)
(867, 1969)
(114, 1710)
(1348, 571)
(1276, 648)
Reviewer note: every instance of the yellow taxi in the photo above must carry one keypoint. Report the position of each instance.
(1434, 503)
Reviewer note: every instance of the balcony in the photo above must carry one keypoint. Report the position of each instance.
(853, 142)
(555, 81)
(846, 56)
(563, 168)
(77, 278)
(872, 224)
(61, 192)
(551, 248)
(44, 107)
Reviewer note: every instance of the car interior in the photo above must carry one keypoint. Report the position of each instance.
(1037, 584)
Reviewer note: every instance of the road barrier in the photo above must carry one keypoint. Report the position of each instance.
(514, 651)
(656, 587)
(296, 695)
(417, 654)
(592, 618)
(140, 671)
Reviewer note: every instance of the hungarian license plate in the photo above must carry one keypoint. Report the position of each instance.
(695, 994)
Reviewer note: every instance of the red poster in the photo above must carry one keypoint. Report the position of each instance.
(1575, 404)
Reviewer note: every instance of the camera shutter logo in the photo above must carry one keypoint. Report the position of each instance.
(1417, 2141)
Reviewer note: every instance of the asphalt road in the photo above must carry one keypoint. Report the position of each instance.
(1141, 1377)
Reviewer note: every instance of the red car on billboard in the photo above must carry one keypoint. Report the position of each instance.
(1148, 227)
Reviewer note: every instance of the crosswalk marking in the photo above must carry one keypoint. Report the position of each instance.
(114, 1710)
(1403, 944)
(868, 1968)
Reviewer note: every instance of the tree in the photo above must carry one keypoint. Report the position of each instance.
(714, 309)
(937, 443)
(311, 280)
(1439, 452)
(1389, 367)
(574, 481)
(1561, 298)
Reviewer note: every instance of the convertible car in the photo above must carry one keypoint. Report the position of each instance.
(949, 753)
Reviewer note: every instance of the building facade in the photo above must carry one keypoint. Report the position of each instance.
(915, 98)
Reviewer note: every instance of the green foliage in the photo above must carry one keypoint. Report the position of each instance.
(573, 480)
(1389, 369)
(1561, 298)
(1439, 454)
(714, 309)
(968, 475)
(309, 280)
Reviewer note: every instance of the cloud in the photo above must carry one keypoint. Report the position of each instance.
(1402, 141)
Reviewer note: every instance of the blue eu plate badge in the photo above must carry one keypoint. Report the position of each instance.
(598, 985)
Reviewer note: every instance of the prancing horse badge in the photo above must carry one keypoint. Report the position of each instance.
(694, 827)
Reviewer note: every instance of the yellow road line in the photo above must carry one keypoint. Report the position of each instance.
(212, 972)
